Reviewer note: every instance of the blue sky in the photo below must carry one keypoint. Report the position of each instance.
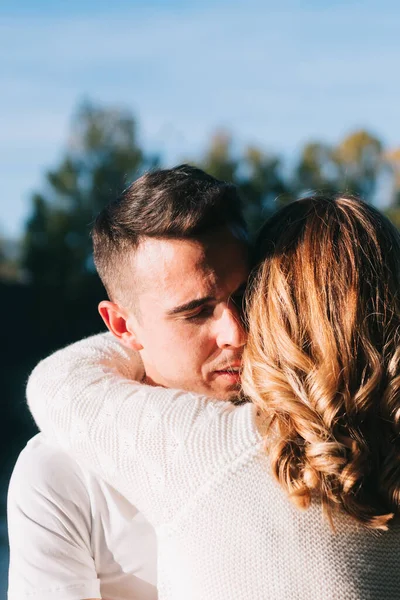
(276, 74)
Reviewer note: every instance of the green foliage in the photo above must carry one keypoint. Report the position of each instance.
(219, 159)
(316, 170)
(353, 166)
(2, 252)
(262, 186)
(9, 264)
(103, 155)
(257, 175)
(359, 158)
(392, 160)
(393, 214)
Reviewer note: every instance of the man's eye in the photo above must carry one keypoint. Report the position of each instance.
(202, 313)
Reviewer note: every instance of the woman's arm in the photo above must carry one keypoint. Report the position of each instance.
(155, 445)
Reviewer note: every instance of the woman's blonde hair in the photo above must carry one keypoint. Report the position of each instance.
(323, 357)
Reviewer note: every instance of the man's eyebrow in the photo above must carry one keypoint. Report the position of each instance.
(188, 306)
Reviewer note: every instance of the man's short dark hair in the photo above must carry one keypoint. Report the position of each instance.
(179, 203)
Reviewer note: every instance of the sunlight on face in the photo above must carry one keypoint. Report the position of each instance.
(189, 325)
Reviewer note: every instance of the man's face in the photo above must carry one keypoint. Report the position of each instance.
(186, 316)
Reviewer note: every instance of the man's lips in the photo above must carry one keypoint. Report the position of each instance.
(231, 372)
(229, 368)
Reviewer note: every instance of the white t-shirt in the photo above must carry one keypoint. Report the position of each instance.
(73, 536)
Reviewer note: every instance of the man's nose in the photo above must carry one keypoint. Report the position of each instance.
(231, 332)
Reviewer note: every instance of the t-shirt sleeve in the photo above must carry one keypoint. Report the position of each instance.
(156, 446)
(49, 529)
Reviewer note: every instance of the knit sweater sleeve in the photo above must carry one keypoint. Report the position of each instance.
(156, 446)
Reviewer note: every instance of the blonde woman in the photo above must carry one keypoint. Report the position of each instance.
(223, 484)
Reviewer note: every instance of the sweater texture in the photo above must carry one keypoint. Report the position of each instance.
(197, 470)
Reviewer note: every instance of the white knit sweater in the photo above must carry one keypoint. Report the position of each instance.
(196, 468)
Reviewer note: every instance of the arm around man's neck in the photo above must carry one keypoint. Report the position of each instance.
(142, 440)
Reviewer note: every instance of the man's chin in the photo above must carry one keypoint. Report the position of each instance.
(231, 394)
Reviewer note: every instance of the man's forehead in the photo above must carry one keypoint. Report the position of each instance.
(161, 260)
(176, 271)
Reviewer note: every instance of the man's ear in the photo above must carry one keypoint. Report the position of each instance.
(120, 324)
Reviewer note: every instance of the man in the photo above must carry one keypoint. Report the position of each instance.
(172, 255)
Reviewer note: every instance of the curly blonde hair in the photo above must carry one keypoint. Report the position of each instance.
(323, 357)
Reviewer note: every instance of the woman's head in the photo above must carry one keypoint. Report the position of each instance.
(323, 356)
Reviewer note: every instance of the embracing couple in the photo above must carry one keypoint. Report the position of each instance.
(218, 406)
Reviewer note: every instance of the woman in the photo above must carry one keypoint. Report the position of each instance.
(221, 483)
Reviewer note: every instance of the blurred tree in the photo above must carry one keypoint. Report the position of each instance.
(219, 160)
(316, 170)
(392, 159)
(394, 215)
(2, 252)
(103, 155)
(9, 264)
(257, 174)
(360, 160)
(354, 166)
(262, 186)
(3, 262)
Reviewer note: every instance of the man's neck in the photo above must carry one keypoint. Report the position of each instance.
(149, 381)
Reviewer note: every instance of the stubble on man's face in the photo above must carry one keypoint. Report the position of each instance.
(190, 323)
